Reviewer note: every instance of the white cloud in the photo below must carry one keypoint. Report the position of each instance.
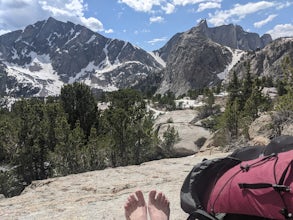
(25, 12)
(281, 30)
(91, 23)
(259, 24)
(239, 12)
(18, 14)
(109, 31)
(169, 8)
(142, 31)
(157, 40)
(142, 5)
(73, 10)
(282, 5)
(157, 19)
(186, 2)
(15, 3)
(208, 5)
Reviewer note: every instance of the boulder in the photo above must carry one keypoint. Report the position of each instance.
(189, 133)
(262, 126)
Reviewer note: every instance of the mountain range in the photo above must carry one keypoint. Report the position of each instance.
(40, 59)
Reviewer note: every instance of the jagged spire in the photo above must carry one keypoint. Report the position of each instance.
(202, 25)
(203, 22)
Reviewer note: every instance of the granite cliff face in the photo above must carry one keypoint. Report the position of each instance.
(193, 62)
(269, 60)
(203, 56)
(41, 58)
(234, 36)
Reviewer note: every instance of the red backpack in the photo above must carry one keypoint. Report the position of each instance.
(261, 187)
(251, 183)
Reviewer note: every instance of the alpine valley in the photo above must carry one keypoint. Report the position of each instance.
(40, 59)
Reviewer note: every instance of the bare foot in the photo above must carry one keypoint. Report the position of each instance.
(135, 207)
(159, 207)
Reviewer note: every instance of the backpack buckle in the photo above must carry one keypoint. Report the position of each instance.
(281, 188)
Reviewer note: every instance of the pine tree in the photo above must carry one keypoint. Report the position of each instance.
(79, 103)
(59, 156)
(94, 153)
(116, 123)
(231, 118)
(253, 103)
(8, 137)
(76, 141)
(128, 125)
(246, 86)
(53, 109)
(284, 103)
(143, 139)
(32, 149)
(171, 137)
(234, 88)
(281, 88)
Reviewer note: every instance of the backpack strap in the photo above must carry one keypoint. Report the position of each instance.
(281, 181)
(278, 187)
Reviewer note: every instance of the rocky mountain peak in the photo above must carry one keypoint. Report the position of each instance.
(203, 56)
(203, 25)
(49, 53)
(266, 39)
(234, 36)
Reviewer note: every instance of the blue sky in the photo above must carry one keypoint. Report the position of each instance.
(149, 24)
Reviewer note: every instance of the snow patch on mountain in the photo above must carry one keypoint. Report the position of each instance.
(112, 67)
(38, 73)
(15, 55)
(236, 56)
(157, 57)
(90, 68)
(93, 37)
(75, 36)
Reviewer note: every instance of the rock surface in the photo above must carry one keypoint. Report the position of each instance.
(268, 61)
(234, 36)
(196, 58)
(270, 125)
(100, 194)
(188, 132)
(193, 62)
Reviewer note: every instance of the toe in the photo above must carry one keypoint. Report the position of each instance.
(140, 197)
(160, 197)
(152, 195)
